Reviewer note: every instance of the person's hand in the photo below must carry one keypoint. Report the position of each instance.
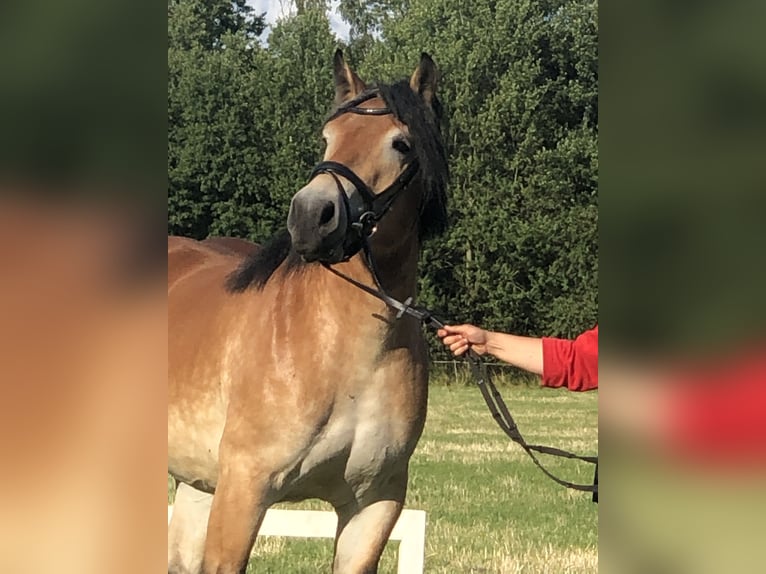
(460, 338)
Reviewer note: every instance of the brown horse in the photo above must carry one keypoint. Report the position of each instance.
(285, 381)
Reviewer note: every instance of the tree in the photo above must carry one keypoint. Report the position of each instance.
(212, 56)
(204, 23)
(241, 116)
(304, 6)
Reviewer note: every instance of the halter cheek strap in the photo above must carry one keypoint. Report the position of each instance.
(376, 204)
(362, 225)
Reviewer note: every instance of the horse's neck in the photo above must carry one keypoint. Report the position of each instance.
(327, 298)
(397, 269)
(396, 272)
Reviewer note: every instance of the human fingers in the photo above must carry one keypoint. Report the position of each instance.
(455, 329)
(460, 349)
(458, 345)
(451, 339)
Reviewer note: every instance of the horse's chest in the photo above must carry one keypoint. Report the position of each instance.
(369, 437)
(361, 445)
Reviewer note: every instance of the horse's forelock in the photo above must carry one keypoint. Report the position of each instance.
(424, 126)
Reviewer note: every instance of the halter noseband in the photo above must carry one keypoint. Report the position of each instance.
(375, 206)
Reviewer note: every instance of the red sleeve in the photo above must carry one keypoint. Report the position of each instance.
(718, 414)
(571, 364)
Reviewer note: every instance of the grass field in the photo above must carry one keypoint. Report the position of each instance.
(490, 510)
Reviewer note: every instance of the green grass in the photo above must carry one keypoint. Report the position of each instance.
(490, 510)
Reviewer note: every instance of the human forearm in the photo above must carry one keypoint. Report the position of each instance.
(523, 352)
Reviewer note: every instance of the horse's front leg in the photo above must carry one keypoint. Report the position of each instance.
(364, 526)
(238, 508)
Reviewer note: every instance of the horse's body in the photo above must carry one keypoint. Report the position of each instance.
(231, 245)
(286, 382)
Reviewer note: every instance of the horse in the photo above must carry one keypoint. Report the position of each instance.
(285, 381)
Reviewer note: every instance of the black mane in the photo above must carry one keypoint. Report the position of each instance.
(258, 267)
(423, 124)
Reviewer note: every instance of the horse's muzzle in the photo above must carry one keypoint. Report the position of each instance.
(317, 224)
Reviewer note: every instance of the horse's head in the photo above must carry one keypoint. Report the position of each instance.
(379, 140)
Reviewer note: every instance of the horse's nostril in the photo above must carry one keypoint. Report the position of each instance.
(328, 212)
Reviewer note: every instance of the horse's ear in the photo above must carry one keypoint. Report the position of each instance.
(423, 80)
(347, 83)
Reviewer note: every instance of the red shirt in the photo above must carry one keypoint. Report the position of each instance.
(717, 411)
(571, 364)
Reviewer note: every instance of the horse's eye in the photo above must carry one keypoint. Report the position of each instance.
(401, 146)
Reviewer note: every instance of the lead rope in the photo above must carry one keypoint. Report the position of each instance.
(489, 392)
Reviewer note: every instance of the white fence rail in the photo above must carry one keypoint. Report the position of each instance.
(410, 531)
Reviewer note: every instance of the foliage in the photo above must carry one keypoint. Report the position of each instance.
(519, 82)
(243, 120)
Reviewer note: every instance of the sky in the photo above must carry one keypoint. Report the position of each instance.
(276, 9)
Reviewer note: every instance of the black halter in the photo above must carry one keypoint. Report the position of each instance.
(362, 223)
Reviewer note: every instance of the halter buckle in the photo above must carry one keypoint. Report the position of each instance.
(407, 306)
(366, 225)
